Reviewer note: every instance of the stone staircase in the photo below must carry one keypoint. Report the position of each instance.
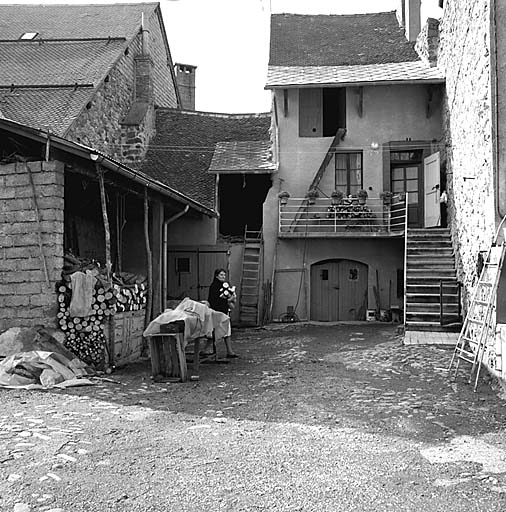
(250, 284)
(430, 259)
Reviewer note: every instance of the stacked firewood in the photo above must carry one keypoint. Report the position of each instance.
(85, 336)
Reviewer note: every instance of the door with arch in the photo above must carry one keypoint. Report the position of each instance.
(338, 290)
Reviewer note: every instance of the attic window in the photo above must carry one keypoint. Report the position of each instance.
(29, 35)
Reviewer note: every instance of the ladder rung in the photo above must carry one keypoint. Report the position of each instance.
(485, 283)
(480, 302)
(474, 321)
(466, 357)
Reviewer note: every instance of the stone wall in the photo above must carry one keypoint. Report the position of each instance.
(26, 298)
(464, 58)
(101, 123)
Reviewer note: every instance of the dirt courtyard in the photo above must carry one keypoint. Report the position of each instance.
(333, 418)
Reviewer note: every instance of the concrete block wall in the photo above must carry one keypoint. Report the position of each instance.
(464, 57)
(26, 299)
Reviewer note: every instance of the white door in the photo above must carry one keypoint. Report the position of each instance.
(432, 209)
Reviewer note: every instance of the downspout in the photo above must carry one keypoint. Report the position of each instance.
(164, 255)
(500, 186)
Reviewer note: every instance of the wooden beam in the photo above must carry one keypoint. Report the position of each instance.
(360, 101)
(326, 160)
(105, 219)
(157, 248)
(285, 102)
(149, 261)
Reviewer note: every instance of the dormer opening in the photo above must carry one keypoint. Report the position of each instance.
(28, 36)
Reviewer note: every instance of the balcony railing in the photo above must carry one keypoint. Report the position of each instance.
(321, 217)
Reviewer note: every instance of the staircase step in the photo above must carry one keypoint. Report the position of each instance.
(435, 274)
(432, 326)
(429, 308)
(415, 297)
(429, 252)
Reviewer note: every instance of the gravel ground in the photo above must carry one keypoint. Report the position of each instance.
(309, 418)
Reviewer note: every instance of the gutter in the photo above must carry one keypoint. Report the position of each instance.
(165, 247)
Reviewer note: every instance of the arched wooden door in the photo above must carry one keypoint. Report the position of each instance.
(338, 290)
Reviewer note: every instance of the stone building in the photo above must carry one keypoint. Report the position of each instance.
(92, 74)
(471, 55)
(79, 88)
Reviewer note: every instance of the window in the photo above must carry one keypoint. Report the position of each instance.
(321, 111)
(183, 265)
(405, 166)
(29, 35)
(348, 172)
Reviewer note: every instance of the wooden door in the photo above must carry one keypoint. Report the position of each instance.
(338, 290)
(209, 261)
(190, 271)
(432, 208)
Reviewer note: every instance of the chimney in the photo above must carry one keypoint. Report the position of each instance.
(427, 43)
(412, 19)
(185, 77)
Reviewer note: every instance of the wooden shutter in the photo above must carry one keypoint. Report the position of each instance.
(310, 113)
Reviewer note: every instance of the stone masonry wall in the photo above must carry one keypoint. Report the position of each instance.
(464, 57)
(99, 124)
(25, 297)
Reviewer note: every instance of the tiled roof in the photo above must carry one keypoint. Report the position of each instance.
(57, 63)
(182, 150)
(247, 156)
(65, 21)
(53, 108)
(338, 40)
(286, 76)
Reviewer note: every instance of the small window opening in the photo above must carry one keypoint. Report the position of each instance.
(183, 265)
(353, 276)
(324, 274)
(29, 35)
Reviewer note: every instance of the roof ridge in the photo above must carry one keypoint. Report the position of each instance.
(332, 15)
(214, 114)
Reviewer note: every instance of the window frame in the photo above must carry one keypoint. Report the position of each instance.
(349, 170)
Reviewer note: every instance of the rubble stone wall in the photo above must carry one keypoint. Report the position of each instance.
(464, 57)
(27, 297)
(99, 125)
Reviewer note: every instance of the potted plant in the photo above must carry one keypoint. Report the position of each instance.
(311, 196)
(336, 197)
(283, 197)
(386, 196)
(362, 196)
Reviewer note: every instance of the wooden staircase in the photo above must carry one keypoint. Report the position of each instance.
(250, 282)
(430, 260)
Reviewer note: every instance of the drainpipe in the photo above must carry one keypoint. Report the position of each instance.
(500, 185)
(164, 255)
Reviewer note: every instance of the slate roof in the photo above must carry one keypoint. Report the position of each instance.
(286, 76)
(76, 44)
(342, 49)
(243, 157)
(181, 152)
(57, 63)
(64, 21)
(53, 108)
(338, 40)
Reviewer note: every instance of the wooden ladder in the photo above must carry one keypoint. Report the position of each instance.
(479, 324)
(250, 281)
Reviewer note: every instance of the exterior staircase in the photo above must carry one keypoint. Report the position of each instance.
(250, 283)
(430, 260)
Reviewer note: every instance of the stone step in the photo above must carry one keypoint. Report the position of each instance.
(448, 298)
(433, 326)
(429, 308)
(440, 273)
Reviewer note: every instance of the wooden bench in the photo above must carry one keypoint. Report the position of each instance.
(168, 359)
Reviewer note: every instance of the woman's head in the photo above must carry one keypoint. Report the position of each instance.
(220, 274)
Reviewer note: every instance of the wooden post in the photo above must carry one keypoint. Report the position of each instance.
(149, 261)
(105, 218)
(157, 249)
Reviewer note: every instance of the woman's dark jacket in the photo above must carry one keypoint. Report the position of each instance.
(214, 299)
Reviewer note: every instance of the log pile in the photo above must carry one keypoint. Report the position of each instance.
(85, 336)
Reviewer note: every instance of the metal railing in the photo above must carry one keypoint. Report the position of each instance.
(406, 260)
(323, 215)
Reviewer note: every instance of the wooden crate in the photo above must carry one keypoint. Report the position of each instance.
(124, 335)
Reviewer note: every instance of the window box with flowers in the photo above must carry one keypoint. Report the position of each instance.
(311, 196)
